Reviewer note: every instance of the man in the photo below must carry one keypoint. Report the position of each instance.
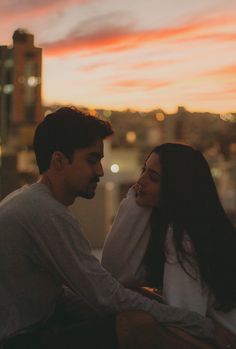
(42, 249)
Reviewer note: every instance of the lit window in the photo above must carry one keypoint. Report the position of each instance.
(8, 89)
(9, 63)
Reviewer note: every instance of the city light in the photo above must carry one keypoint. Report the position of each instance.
(109, 186)
(107, 113)
(131, 137)
(33, 81)
(228, 117)
(160, 116)
(115, 168)
(93, 112)
(216, 172)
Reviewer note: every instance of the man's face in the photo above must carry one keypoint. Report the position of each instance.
(82, 174)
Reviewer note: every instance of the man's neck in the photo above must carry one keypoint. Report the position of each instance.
(56, 190)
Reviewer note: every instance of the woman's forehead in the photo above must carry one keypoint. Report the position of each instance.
(153, 162)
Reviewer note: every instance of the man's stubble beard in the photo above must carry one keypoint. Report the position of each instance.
(89, 194)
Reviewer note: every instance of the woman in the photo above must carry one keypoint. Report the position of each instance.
(171, 232)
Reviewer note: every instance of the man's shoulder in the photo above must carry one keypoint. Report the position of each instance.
(30, 198)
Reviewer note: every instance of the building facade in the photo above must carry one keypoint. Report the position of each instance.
(20, 83)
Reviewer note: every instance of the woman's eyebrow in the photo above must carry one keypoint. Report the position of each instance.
(151, 170)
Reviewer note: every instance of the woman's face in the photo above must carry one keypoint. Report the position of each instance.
(149, 182)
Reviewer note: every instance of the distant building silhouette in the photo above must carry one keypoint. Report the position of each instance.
(20, 83)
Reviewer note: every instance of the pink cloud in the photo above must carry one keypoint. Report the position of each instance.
(28, 9)
(222, 94)
(229, 70)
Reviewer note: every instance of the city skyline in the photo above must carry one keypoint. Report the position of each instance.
(132, 54)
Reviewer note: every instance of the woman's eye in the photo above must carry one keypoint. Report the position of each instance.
(154, 177)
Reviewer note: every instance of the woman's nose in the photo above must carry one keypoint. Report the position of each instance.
(141, 180)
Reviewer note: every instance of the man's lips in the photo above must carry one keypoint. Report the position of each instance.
(94, 183)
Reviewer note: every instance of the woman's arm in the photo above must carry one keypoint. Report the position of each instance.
(125, 245)
(179, 288)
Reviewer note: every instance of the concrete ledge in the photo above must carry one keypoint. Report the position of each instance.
(138, 330)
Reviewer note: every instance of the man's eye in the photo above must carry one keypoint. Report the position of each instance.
(92, 161)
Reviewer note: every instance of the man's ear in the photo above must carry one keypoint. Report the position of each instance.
(58, 160)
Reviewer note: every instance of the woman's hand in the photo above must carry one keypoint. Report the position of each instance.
(137, 188)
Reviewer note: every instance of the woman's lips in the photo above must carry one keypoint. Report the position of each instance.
(141, 193)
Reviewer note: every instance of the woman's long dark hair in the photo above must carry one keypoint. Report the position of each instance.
(190, 203)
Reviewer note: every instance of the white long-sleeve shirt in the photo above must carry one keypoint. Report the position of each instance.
(42, 247)
(123, 254)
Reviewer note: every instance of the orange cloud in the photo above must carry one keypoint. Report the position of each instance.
(94, 66)
(231, 91)
(223, 71)
(230, 69)
(152, 64)
(219, 37)
(113, 38)
(140, 84)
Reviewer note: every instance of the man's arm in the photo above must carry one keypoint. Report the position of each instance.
(66, 254)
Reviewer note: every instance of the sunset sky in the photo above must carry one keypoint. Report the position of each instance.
(138, 54)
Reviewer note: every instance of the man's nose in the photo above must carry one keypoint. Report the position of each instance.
(100, 171)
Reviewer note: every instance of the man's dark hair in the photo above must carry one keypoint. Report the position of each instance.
(66, 130)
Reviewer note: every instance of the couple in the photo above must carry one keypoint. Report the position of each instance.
(53, 291)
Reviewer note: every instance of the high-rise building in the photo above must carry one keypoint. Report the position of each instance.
(20, 82)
